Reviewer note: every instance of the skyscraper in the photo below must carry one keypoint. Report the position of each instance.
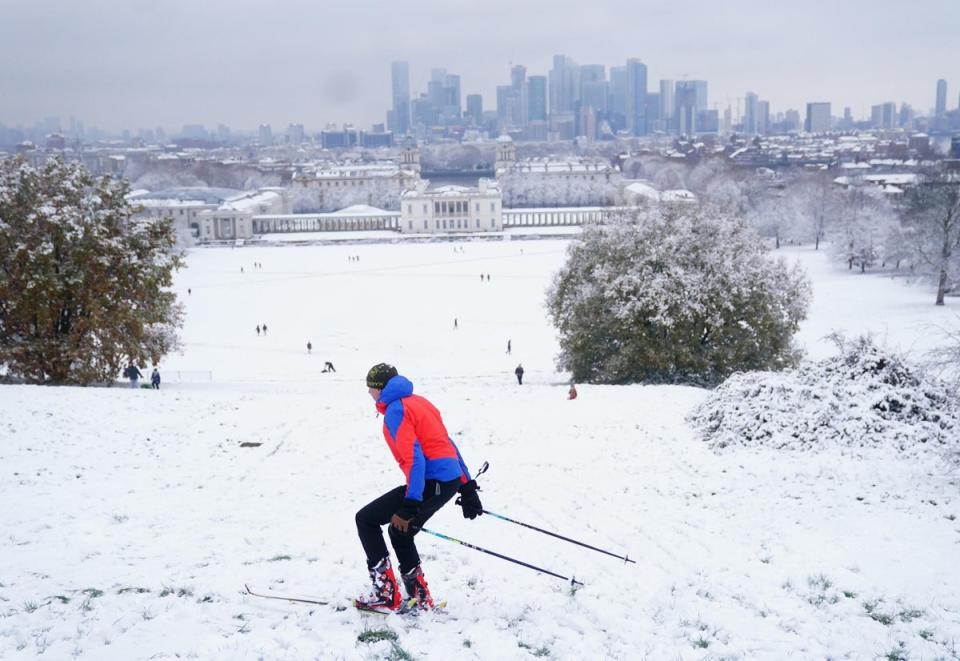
(475, 109)
(763, 117)
(685, 113)
(398, 120)
(818, 118)
(564, 84)
(618, 98)
(750, 113)
(941, 98)
(537, 98)
(667, 104)
(636, 96)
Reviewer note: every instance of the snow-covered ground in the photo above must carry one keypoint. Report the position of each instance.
(132, 518)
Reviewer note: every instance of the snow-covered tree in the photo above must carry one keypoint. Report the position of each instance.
(932, 215)
(820, 205)
(84, 285)
(865, 220)
(677, 294)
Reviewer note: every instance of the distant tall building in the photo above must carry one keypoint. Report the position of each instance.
(537, 98)
(295, 134)
(618, 98)
(685, 112)
(518, 76)
(818, 118)
(750, 113)
(667, 104)
(475, 109)
(941, 108)
(265, 134)
(564, 84)
(791, 120)
(763, 117)
(884, 115)
(398, 120)
(636, 109)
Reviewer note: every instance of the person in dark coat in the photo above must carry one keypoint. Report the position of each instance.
(155, 379)
(133, 374)
(519, 373)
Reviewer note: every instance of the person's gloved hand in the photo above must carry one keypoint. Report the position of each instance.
(401, 519)
(469, 501)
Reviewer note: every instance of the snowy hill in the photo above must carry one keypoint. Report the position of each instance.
(133, 518)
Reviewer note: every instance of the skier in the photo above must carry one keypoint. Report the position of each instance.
(258, 330)
(455, 325)
(264, 329)
(435, 472)
(572, 393)
(309, 347)
(155, 379)
(519, 373)
(189, 291)
(508, 347)
(133, 374)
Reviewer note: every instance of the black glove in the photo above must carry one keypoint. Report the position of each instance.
(408, 509)
(469, 501)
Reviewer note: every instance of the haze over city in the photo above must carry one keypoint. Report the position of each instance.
(124, 65)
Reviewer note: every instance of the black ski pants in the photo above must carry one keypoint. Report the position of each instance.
(378, 512)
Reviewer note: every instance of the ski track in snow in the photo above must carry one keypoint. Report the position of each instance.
(132, 519)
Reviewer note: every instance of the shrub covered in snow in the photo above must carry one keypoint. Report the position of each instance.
(677, 295)
(864, 397)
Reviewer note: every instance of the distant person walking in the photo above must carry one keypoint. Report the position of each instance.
(309, 347)
(455, 325)
(155, 379)
(519, 373)
(572, 393)
(133, 374)
(264, 329)
(258, 330)
(508, 347)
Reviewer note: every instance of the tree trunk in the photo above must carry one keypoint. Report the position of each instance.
(942, 285)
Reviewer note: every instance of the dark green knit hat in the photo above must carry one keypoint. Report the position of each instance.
(379, 374)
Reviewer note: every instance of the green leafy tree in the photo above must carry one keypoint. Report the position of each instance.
(677, 295)
(84, 285)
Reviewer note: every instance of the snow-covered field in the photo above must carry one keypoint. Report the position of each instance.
(132, 519)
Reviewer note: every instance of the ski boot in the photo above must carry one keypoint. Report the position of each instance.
(417, 590)
(385, 594)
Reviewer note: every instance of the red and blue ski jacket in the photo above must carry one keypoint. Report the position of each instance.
(417, 438)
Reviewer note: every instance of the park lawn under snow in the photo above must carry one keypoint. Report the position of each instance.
(132, 519)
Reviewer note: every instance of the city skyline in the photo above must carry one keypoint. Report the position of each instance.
(139, 65)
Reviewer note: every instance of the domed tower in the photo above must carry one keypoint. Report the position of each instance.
(410, 156)
(506, 153)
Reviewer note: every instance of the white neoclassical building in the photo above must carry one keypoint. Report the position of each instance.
(452, 209)
(234, 218)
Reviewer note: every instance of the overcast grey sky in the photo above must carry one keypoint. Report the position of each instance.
(145, 63)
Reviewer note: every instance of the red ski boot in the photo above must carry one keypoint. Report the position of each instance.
(417, 590)
(385, 594)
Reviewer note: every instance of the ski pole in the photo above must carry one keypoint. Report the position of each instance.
(553, 534)
(485, 467)
(573, 581)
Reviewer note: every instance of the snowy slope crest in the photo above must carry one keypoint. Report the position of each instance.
(864, 397)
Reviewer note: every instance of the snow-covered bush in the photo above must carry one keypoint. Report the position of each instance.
(864, 397)
(675, 294)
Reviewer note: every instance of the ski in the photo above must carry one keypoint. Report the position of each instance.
(408, 607)
(282, 597)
